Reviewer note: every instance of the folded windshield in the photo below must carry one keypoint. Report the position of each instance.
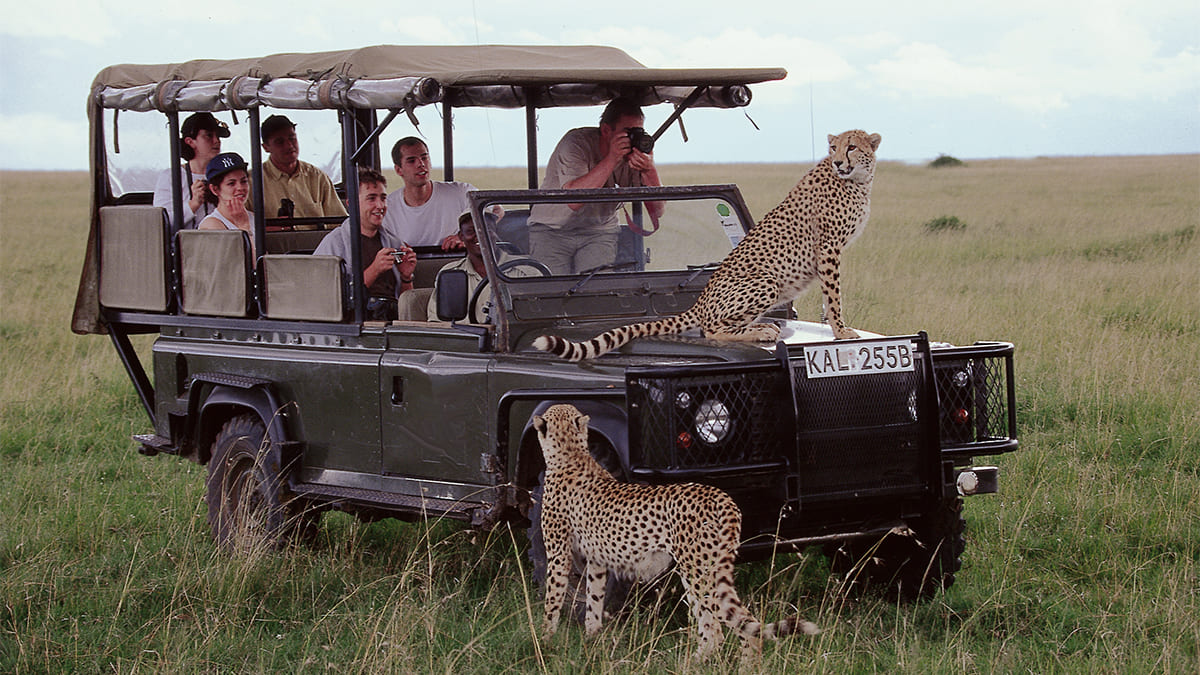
(592, 238)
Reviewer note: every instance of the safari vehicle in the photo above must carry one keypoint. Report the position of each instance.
(273, 379)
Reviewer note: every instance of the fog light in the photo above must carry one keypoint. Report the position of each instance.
(712, 421)
(960, 379)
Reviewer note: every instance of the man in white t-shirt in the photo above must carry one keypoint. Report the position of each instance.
(424, 212)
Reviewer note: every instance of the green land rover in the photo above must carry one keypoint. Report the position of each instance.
(274, 378)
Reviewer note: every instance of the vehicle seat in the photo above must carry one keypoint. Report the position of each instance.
(413, 305)
(133, 258)
(215, 272)
(303, 287)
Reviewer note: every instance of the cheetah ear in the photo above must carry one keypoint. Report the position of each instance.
(831, 137)
(581, 422)
(539, 424)
(875, 140)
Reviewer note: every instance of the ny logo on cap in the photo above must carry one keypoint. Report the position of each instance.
(227, 161)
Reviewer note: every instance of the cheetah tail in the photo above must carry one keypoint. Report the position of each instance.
(788, 626)
(612, 339)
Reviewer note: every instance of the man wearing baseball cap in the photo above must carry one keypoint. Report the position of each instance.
(291, 187)
(200, 141)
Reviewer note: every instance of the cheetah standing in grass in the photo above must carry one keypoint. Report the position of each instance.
(637, 531)
(799, 240)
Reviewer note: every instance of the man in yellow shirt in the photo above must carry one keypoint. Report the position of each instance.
(291, 187)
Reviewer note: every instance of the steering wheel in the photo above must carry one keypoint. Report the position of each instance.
(503, 267)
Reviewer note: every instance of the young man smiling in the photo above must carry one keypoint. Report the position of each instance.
(384, 278)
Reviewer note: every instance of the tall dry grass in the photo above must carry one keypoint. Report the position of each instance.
(1086, 562)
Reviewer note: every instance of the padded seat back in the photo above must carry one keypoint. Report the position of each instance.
(303, 287)
(215, 275)
(134, 258)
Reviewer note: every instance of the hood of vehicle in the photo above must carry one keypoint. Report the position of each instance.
(690, 346)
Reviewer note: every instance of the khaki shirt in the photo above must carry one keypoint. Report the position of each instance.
(309, 189)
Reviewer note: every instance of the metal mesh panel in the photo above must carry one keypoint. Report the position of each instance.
(706, 420)
(973, 400)
(859, 434)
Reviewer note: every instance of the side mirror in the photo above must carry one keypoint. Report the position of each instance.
(452, 288)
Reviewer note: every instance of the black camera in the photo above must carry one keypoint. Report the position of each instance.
(287, 208)
(640, 140)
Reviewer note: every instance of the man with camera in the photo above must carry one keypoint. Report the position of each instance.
(293, 188)
(388, 263)
(575, 238)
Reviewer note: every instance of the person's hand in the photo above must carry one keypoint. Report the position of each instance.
(618, 147)
(408, 263)
(382, 264)
(199, 186)
(453, 242)
(640, 161)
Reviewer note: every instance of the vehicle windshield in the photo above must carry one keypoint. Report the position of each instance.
(594, 237)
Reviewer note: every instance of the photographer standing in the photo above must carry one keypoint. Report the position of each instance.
(575, 238)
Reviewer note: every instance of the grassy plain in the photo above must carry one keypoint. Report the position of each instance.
(1088, 561)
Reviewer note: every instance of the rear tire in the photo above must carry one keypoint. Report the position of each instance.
(249, 505)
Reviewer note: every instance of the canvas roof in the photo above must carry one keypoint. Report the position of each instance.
(390, 76)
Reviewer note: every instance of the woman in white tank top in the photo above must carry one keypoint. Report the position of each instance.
(228, 186)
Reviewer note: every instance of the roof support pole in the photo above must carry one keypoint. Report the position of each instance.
(350, 180)
(448, 140)
(256, 192)
(176, 186)
(531, 156)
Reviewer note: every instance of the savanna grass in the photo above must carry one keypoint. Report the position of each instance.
(1087, 561)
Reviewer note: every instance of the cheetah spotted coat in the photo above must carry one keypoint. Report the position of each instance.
(799, 240)
(638, 531)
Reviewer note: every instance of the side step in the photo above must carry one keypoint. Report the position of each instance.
(427, 506)
(152, 444)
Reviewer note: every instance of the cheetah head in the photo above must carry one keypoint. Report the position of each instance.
(853, 154)
(561, 429)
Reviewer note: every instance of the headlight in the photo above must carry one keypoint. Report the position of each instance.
(712, 421)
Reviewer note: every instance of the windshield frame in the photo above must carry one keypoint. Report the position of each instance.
(576, 297)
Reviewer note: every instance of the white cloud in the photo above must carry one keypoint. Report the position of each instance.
(39, 141)
(79, 20)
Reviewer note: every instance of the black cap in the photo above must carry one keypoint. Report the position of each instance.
(222, 164)
(273, 124)
(203, 120)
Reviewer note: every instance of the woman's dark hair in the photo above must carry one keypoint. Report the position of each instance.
(186, 151)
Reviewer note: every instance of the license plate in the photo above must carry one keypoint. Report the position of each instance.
(860, 358)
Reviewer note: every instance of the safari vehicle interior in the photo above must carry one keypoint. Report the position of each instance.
(142, 274)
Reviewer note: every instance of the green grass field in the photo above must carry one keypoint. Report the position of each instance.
(1088, 561)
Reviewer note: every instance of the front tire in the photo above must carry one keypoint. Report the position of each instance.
(908, 566)
(249, 505)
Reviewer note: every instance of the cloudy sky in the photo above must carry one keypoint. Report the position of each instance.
(1020, 78)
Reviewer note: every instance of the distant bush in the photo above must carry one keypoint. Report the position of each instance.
(946, 160)
(944, 223)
